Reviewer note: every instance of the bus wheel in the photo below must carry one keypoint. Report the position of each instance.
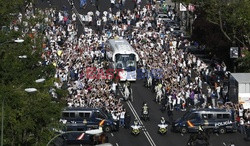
(183, 130)
(107, 129)
(222, 130)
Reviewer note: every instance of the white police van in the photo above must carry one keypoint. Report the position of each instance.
(216, 120)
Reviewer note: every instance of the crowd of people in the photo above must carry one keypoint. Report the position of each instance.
(179, 78)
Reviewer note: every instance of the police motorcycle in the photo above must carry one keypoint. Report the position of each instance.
(163, 127)
(145, 112)
(136, 128)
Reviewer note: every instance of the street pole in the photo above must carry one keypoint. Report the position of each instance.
(2, 119)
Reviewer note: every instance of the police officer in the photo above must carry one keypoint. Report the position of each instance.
(145, 107)
(127, 121)
(163, 120)
(145, 111)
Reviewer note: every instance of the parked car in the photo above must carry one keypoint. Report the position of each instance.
(163, 17)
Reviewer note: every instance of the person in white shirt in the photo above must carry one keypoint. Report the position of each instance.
(241, 110)
(112, 4)
(122, 117)
(242, 126)
(113, 88)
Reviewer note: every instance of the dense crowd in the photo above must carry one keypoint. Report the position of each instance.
(179, 78)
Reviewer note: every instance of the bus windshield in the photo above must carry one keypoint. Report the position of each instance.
(125, 61)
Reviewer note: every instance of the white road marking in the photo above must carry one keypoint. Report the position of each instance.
(112, 134)
(152, 143)
(117, 144)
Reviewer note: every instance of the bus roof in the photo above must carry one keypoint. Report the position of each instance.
(122, 46)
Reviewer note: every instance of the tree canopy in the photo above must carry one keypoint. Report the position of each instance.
(221, 24)
(28, 117)
(231, 16)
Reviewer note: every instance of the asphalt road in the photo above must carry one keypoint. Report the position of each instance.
(142, 94)
(149, 135)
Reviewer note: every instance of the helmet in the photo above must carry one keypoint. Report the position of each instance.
(136, 121)
(200, 128)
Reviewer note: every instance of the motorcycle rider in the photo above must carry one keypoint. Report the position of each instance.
(163, 120)
(145, 111)
(145, 107)
(163, 127)
(136, 122)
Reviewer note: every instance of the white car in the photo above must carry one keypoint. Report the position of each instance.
(163, 17)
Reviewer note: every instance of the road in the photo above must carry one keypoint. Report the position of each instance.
(142, 94)
(149, 135)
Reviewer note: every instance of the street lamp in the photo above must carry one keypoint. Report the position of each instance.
(2, 119)
(18, 40)
(30, 90)
(22, 57)
(13, 41)
(40, 80)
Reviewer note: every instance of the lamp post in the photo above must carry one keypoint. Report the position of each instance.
(29, 90)
(13, 41)
(2, 118)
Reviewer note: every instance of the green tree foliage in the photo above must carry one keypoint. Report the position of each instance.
(231, 16)
(9, 8)
(244, 62)
(222, 24)
(28, 117)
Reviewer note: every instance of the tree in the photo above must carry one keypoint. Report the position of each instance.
(222, 24)
(244, 62)
(28, 117)
(9, 8)
(231, 16)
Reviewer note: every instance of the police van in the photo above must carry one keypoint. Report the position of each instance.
(82, 119)
(216, 120)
